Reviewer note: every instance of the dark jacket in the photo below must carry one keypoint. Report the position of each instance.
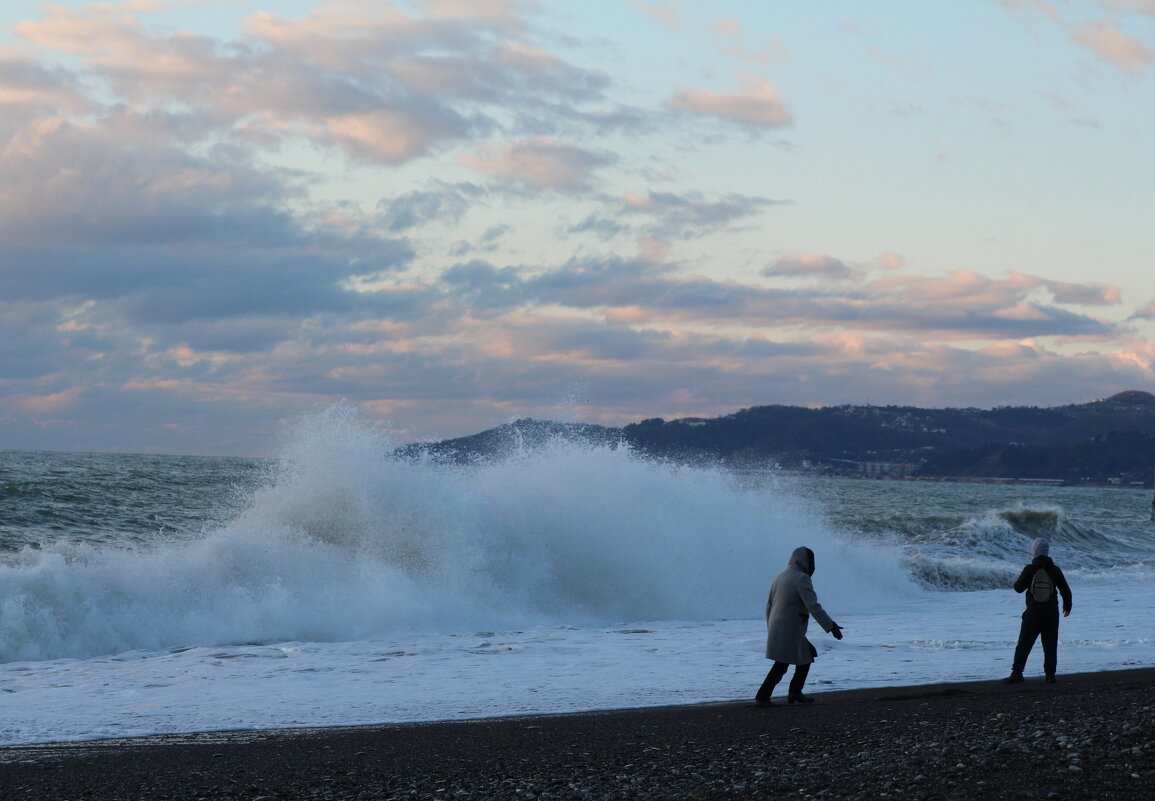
(1025, 578)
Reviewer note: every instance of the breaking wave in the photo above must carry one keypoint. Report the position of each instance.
(345, 541)
(989, 550)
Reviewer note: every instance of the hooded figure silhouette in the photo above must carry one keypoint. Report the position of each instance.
(791, 604)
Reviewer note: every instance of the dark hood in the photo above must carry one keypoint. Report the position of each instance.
(803, 559)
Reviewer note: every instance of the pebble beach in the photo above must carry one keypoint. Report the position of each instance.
(1089, 736)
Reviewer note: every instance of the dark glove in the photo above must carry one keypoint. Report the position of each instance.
(836, 630)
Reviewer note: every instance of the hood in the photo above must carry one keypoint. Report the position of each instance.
(803, 559)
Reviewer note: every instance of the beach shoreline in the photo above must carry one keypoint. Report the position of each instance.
(1089, 735)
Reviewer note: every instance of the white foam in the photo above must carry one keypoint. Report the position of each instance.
(422, 677)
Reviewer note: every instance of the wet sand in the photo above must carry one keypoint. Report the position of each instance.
(1090, 736)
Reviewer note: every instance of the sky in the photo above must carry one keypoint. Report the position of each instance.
(220, 216)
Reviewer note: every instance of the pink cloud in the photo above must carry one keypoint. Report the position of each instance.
(1023, 312)
(664, 13)
(727, 26)
(55, 403)
(24, 83)
(959, 285)
(333, 38)
(758, 104)
(366, 79)
(891, 260)
(1115, 47)
(1027, 349)
(964, 305)
(116, 44)
(1145, 313)
(93, 31)
(1146, 7)
(971, 288)
(541, 162)
(1078, 294)
(1042, 7)
(392, 136)
(498, 12)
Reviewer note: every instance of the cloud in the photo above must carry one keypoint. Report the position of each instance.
(443, 204)
(485, 286)
(1146, 7)
(690, 215)
(539, 163)
(367, 79)
(966, 300)
(729, 27)
(122, 179)
(758, 104)
(1145, 313)
(117, 211)
(489, 242)
(161, 286)
(504, 13)
(604, 227)
(1117, 48)
(1105, 38)
(393, 135)
(963, 305)
(201, 237)
(671, 216)
(663, 12)
(891, 261)
(27, 88)
(1095, 294)
(810, 265)
(510, 340)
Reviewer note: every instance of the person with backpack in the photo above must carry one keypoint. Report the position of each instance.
(1043, 582)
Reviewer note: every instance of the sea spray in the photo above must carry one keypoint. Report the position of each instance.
(345, 541)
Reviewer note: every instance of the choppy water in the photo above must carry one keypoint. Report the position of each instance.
(142, 594)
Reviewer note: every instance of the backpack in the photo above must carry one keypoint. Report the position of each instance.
(1042, 588)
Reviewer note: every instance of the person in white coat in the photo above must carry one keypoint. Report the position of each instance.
(791, 604)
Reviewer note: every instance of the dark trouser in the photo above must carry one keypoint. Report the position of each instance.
(1044, 621)
(775, 675)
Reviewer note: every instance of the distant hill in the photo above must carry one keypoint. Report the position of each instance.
(508, 439)
(1105, 441)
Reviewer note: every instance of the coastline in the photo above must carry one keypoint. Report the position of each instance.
(1090, 735)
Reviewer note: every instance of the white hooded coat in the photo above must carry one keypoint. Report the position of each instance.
(791, 603)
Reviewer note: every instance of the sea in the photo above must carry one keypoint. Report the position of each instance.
(336, 583)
